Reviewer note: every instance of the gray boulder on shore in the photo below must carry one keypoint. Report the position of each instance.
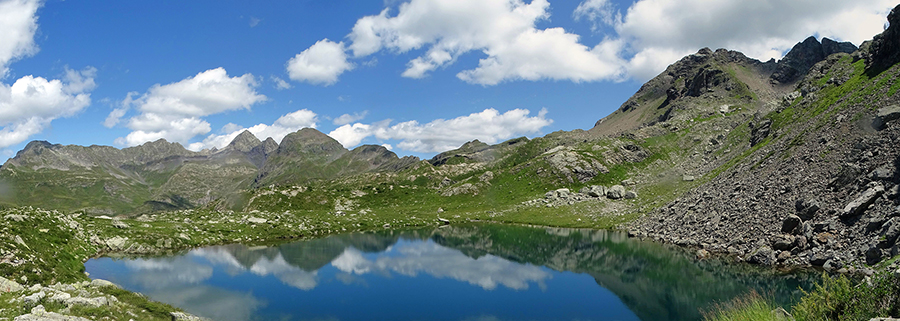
(616, 192)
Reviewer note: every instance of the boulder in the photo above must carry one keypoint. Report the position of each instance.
(882, 173)
(885, 115)
(818, 259)
(616, 192)
(807, 208)
(257, 220)
(99, 283)
(784, 243)
(790, 224)
(116, 243)
(594, 191)
(97, 302)
(862, 202)
(38, 313)
(486, 177)
(832, 265)
(688, 178)
(891, 232)
(34, 299)
(873, 255)
(7, 285)
(784, 256)
(630, 195)
(119, 224)
(759, 131)
(60, 297)
(762, 256)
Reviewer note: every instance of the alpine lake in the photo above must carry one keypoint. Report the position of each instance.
(470, 272)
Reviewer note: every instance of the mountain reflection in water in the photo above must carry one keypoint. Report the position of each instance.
(479, 272)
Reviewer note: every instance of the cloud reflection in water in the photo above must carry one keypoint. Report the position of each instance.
(410, 259)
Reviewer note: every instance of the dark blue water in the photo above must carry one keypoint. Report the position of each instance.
(459, 273)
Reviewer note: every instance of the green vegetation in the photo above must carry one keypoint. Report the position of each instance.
(837, 298)
(840, 298)
(750, 307)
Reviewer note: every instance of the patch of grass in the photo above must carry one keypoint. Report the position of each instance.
(840, 298)
(750, 307)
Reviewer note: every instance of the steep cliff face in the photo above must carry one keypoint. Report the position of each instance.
(884, 50)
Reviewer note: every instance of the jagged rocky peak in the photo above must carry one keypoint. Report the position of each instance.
(804, 55)
(884, 50)
(269, 145)
(244, 142)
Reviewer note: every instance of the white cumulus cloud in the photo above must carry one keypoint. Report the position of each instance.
(489, 126)
(351, 135)
(18, 23)
(174, 111)
(504, 30)
(655, 33)
(640, 40)
(31, 103)
(320, 64)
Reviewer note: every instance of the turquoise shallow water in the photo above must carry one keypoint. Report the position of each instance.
(479, 272)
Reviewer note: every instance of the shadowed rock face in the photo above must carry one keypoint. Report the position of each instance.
(804, 55)
(884, 51)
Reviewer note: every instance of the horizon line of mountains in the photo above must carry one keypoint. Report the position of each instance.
(163, 175)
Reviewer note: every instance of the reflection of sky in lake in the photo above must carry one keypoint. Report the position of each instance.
(410, 280)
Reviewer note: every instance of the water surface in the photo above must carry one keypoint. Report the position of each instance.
(481, 272)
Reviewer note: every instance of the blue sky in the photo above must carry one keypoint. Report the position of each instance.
(421, 76)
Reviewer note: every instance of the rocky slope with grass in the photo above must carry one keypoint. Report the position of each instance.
(818, 183)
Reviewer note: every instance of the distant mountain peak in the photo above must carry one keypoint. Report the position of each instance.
(804, 55)
(244, 142)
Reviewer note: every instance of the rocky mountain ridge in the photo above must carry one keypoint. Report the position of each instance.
(161, 175)
(820, 184)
